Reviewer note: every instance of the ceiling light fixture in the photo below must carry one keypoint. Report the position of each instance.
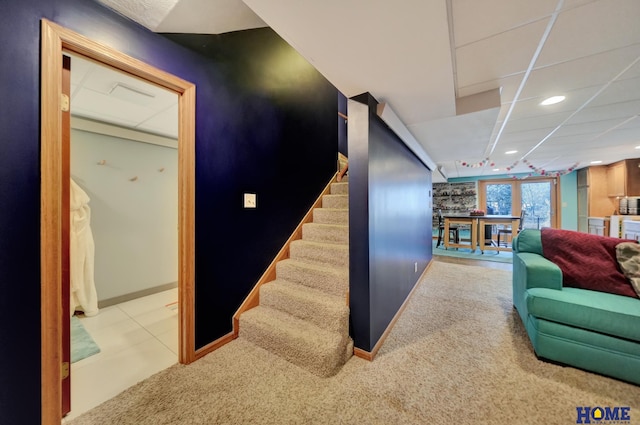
(596, 162)
(637, 147)
(496, 169)
(510, 152)
(552, 100)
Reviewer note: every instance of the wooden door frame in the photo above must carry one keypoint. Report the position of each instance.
(56, 39)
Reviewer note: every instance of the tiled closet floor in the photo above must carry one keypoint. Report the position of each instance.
(137, 339)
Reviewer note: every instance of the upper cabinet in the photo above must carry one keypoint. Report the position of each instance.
(623, 178)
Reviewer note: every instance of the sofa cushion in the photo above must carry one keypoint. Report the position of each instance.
(601, 312)
(628, 255)
(587, 261)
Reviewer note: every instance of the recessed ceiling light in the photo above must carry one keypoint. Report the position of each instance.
(596, 162)
(496, 169)
(511, 152)
(637, 147)
(552, 100)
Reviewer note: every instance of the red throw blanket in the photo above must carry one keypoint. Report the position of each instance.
(587, 261)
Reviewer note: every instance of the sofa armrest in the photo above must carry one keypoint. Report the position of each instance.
(532, 271)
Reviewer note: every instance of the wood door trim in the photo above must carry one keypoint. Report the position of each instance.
(54, 40)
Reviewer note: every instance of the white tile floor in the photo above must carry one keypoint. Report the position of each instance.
(137, 339)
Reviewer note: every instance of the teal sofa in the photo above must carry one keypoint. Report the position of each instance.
(595, 331)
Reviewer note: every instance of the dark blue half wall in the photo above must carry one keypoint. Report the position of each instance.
(273, 137)
(389, 219)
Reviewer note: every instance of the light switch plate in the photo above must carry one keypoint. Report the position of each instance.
(250, 200)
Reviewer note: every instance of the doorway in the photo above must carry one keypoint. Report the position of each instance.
(54, 165)
(123, 167)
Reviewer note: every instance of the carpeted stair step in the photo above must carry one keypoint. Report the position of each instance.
(320, 253)
(329, 233)
(333, 280)
(323, 310)
(331, 216)
(340, 188)
(335, 201)
(302, 343)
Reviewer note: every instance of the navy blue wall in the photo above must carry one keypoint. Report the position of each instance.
(343, 147)
(280, 142)
(246, 140)
(390, 222)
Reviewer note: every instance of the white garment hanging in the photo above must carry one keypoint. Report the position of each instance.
(81, 252)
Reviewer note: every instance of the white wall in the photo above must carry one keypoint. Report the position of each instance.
(134, 223)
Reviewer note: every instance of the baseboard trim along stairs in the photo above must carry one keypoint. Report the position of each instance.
(302, 313)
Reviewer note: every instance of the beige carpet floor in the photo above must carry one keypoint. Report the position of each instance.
(457, 355)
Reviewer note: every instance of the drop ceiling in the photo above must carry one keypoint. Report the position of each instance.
(420, 56)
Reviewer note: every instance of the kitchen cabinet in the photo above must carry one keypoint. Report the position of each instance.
(592, 196)
(631, 229)
(599, 226)
(623, 178)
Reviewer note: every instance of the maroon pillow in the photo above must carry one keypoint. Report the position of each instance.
(586, 261)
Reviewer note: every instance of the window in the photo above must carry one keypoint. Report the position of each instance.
(537, 197)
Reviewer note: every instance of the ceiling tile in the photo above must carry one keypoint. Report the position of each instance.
(620, 111)
(619, 92)
(164, 123)
(595, 70)
(534, 122)
(587, 129)
(89, 101)
(79, 69)
(592, 28)
(531, 137)
(496, 16)
(498, 56)
(104, 80)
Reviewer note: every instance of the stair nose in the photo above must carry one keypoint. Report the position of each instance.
(331, 216)
(320, 253)
(323, 310)
(340, 188)
(335, 201)
(329, 233)
(332, 280)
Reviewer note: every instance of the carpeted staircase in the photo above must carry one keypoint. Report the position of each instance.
(303, 314)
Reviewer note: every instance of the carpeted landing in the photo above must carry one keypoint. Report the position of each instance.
(457, 355)
(303, 315)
